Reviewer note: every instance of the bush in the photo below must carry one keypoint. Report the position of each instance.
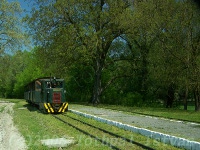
(132, 99)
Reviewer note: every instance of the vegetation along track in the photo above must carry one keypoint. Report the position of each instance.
(95, 132)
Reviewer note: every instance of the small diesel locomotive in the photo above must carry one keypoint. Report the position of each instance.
(48, 94)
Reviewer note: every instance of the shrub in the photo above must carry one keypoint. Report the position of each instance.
(132, 99)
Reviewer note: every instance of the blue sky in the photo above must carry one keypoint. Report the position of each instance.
(25, 4)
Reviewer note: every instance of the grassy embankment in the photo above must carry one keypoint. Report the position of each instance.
(35, 126)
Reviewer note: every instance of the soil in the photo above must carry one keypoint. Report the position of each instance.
(10, 137)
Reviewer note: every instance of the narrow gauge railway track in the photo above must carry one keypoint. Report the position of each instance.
(102, 130)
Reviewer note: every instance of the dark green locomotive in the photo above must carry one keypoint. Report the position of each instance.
(48, 94)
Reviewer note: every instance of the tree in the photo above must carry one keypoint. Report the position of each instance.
(181, 46)
(81, 30)
(30, 70)
(11, 35)
(11, 38)
(142, 38)
(11, 66)
(154, 44)
(165, 34)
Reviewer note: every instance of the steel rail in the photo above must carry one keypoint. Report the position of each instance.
(86, 133)
(113, 134)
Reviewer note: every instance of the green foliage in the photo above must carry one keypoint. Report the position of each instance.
(122, 53)
(79, 84)
(71, 31)
(132, 99)
(11, 35)
(11, 39)
(11, 65)
(31, 71)
(166, 44)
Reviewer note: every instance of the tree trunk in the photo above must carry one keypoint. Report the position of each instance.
(98, 65)
(197, 99)
(143, 75)
(97, 82)
(170, 96)
(185, 98)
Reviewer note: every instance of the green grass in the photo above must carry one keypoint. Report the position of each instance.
(36, 126)
(189, 108)
(170, 113)
(11, 100)
(2, 108)
(127, 134)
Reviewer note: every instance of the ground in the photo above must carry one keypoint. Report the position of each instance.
(10, 137)
(183, 129)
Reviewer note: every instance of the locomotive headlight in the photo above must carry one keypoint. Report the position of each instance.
(48, 91)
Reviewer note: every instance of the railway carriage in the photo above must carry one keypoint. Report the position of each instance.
(48, 94)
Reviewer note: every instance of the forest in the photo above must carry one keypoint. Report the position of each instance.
(120, 52)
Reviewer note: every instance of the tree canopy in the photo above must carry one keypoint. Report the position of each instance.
(11, 34)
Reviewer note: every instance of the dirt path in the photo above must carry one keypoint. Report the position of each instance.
(10, 138)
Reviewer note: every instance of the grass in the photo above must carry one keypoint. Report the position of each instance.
(127, 134)
(189, 108)
(2, 108)
(170, 113)
(36, 126)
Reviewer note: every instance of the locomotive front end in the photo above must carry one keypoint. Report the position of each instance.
(54, 96)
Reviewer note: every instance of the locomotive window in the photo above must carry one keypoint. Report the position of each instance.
(48, 84)
(57, 84)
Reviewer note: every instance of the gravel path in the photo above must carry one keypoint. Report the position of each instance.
(187, 130)
(10, 138)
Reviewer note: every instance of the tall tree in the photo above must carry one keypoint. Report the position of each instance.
(142, 40)
(166, 34)
(11, 34)
(11, 66)
(81, 30)
(11, 38)
(30, 69)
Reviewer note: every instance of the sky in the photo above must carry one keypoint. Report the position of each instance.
(25, 5)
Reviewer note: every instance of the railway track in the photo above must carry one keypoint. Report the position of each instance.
(78, 125)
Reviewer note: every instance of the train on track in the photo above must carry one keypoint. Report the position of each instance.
(48, 94)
